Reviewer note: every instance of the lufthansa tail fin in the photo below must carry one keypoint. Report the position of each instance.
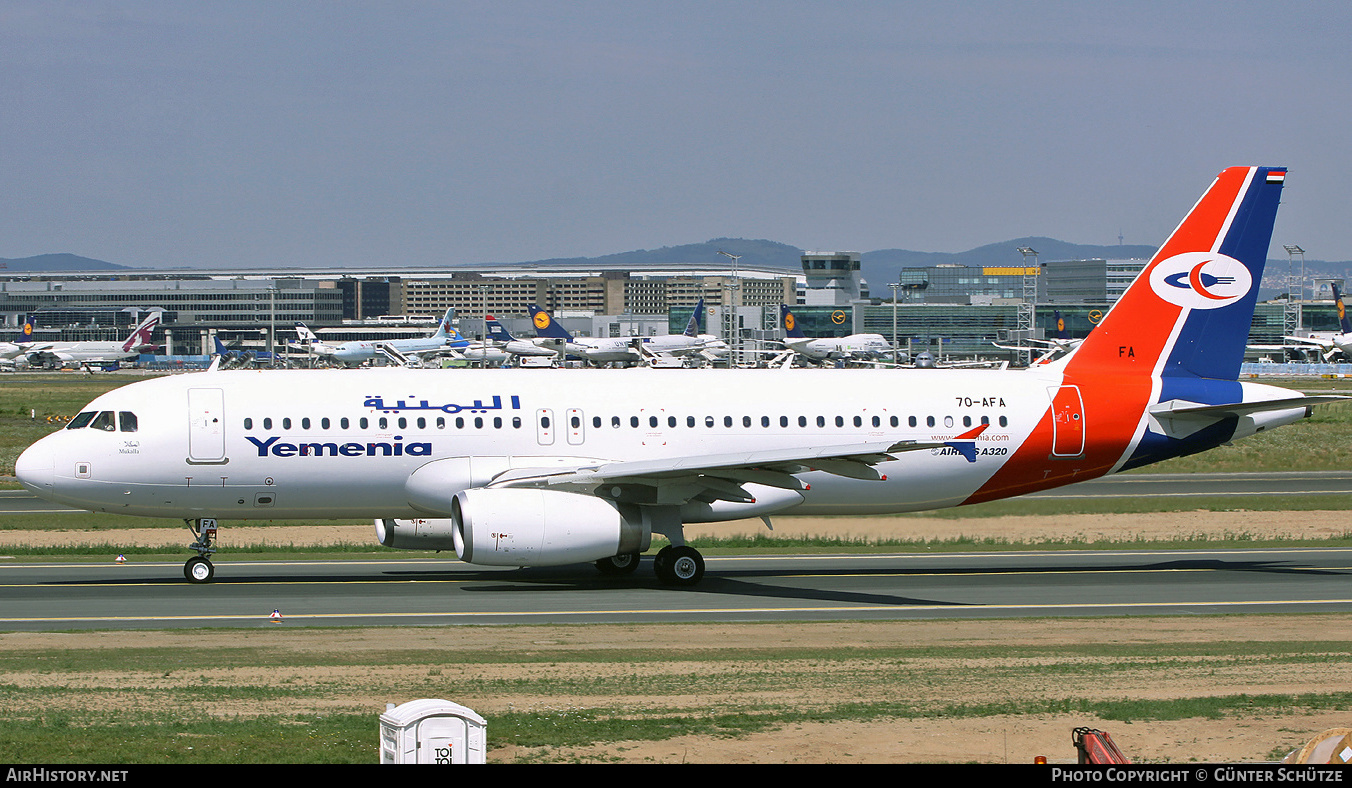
(546, 327)
(1344, 322)
(790, 323)
(1189, 311)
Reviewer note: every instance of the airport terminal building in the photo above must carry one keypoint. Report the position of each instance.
(948, 310)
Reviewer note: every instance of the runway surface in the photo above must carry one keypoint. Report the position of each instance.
(418, 592)
(414, 590)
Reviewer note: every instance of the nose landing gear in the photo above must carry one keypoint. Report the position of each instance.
(198, 569)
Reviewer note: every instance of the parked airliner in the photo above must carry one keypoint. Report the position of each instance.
(550, 467)
(95, 352)
(359, 351)
(9, 351)
(622, 350)
(854, 346)
(503, 340)
(1331, 343)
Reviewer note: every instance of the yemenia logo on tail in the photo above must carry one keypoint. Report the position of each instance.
(1200, 280)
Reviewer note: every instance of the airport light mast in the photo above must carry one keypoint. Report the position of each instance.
(895, 344)
(1027, 306)
(1293, 316)
(734, 343)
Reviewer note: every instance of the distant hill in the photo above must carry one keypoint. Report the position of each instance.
(759, 252)
(52, 263)
(881, 266)
(878, 267)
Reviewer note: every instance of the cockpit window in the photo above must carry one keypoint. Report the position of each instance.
(81, 421)
(104, 421)
(127, 420)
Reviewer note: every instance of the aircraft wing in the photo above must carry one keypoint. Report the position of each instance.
(1317, 342)
(48, 354)
(673, 481)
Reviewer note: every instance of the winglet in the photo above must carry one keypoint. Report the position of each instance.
(965, 444)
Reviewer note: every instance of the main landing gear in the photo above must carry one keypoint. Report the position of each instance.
(679, 565)
(675, 565)
(198, 569)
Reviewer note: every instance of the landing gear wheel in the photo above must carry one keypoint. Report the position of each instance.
(682, 566)
(621, 564)
(199, 570)
(660, 562)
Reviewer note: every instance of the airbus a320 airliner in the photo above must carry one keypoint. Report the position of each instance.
(547, 467)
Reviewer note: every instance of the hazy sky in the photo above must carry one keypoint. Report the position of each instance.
(422, 133)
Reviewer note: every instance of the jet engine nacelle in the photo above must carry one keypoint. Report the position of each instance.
(528, 527)
(425, 534)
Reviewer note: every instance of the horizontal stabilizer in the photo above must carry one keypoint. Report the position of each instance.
(1179, 418)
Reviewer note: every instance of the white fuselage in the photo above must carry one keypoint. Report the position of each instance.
(334, 443)
(359, 351)
(84, 351)
(338, 443)
(604, 350)
(860, 345)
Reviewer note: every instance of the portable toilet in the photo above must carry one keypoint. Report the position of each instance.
(432, 730)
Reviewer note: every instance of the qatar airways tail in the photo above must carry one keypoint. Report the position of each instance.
(549, 467)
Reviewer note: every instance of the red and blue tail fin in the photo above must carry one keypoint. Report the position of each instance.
(1189, 312)
(496, 331)
(1177, 334)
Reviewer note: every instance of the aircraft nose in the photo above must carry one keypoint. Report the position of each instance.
(35, 468)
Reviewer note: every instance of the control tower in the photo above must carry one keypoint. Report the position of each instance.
(833, 278)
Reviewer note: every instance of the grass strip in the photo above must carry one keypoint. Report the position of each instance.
(352, 738)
